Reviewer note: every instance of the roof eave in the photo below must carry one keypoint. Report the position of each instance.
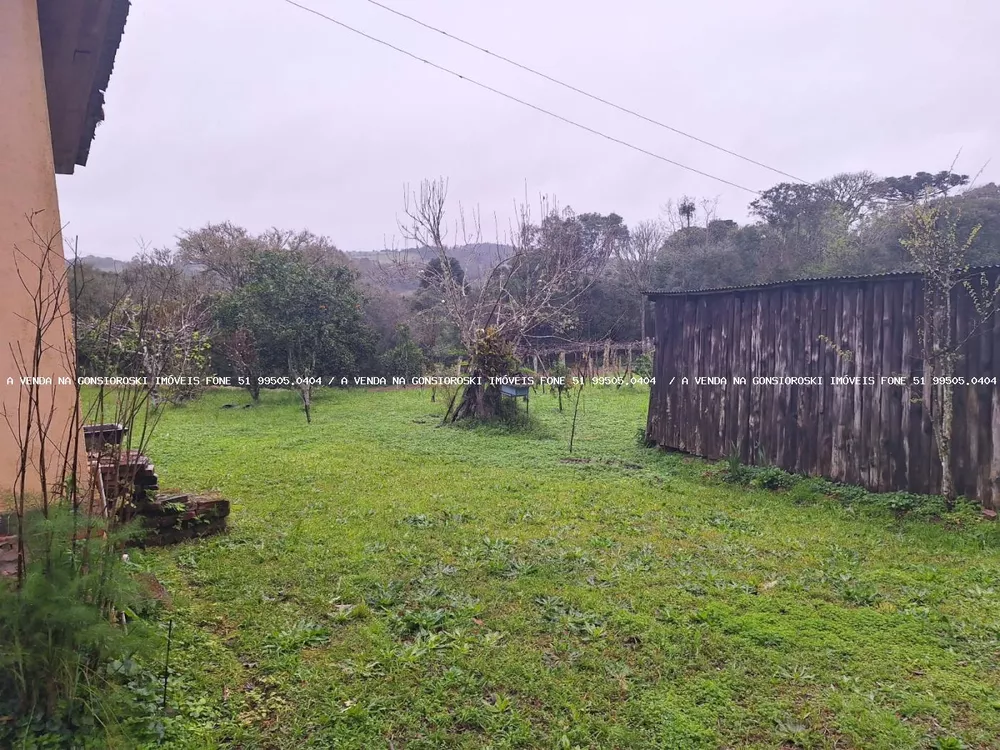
(80, 40)
(655, 293)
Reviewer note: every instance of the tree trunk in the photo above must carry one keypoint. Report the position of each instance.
(942, 417)
(947, 480)
(479, 401)
(942, 368)
(305, 392)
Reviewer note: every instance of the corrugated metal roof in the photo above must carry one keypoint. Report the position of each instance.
(805, 281)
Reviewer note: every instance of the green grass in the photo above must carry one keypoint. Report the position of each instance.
(390, 583)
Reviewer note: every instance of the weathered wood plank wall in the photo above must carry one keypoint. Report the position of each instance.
(877, 435)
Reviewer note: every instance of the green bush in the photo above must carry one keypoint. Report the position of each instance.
(765, 477)
(735, 471)
(808, 491)
(643, 366)
(771, 478)
(848, 494)
(58, 632)
(901, 502)
(804, 490)
(405, 359)
(642, 440)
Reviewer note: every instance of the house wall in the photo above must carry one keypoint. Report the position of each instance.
(876, 435)
(29, 239)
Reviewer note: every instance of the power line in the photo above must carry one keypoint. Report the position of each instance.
(580, 91)
(512, 98)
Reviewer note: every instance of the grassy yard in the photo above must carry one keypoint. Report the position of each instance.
(389, 583)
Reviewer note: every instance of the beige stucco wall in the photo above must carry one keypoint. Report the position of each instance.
(28, 189)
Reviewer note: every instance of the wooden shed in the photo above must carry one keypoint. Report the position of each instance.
(799, 375)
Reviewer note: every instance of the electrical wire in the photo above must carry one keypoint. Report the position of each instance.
(513, 98)
(582, 92)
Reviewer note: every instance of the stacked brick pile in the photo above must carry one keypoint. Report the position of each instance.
(173, 518)
(127, 469)
(167, 518)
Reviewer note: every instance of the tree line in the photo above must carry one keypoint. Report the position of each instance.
(286, 303)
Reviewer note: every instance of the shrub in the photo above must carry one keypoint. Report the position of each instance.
(59, 631)
(765, 477)
(848, 494)
(808, 491)
(771, 478)
(642, 366)
(900, 502)
(641, 440)
(734, 471)
(405, 359)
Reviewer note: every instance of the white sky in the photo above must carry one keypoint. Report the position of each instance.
(256, 112)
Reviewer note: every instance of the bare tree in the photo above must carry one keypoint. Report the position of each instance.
(941, 255)
(854, 194)
(637, 260)
(159, 326)
(314, 249)
(533, 280)
(241, 351)
(45, 421)
(38, 420)
(683, 214)
(709, 209)
(67, 530)
(225, 251)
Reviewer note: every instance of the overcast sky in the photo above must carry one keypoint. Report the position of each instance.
(256, 112)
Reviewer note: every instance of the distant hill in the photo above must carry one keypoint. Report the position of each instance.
(101, 263)
(476, 260)
(113, 265)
